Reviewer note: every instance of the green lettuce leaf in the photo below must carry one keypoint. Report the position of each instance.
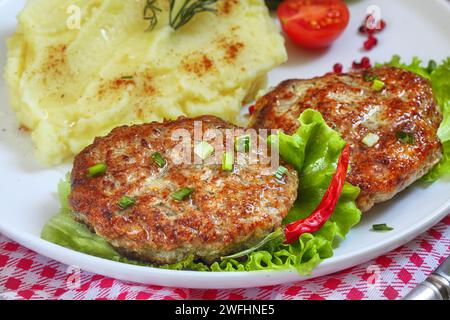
(439, 76)
(314, 151)
(414, 66)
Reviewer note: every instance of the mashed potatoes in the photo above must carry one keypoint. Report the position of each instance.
(70, 85)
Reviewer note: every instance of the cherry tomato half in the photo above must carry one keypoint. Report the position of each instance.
(313, 24)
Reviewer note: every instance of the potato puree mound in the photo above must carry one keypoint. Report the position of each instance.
(69, 85)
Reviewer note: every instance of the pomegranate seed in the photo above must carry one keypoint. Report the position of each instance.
(364, 64)
(251, 110)
(367, 45)
(370, 42)
(364, 29)
(337, 68)
(365, 61)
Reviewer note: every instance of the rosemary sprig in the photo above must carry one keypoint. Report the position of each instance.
(178, 17)
(150, 14)
(188, 10)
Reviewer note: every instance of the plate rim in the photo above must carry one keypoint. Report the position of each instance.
(273, 277)
(199, 280)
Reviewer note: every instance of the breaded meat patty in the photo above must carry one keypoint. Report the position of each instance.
(134, 200)
(391, 130)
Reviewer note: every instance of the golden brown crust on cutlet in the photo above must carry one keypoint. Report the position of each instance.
(349, 104)
(227, 211)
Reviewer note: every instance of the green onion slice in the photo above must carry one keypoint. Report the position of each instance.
(227, 161)
(96, 170)
(369, 77)
(242, 143)
(204, 150)
(125, 202)
(281, 172)
(377, 85)
(182, 194)
(381, 227)
(371, 139)
(405, 137)
(158, 158)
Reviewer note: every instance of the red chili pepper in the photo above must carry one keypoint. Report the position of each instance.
(326, 207)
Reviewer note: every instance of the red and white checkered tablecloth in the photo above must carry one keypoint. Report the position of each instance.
(27, 275)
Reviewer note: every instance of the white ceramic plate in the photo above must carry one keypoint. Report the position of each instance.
(27, 190)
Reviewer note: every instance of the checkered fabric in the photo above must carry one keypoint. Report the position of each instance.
(27, 275)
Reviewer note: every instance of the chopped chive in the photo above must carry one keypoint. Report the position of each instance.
(405, 137)
(242, 143)
(432, 65)
(158, 158)
(381, 227)
(227, 161)
(182, 194)
(204, 150)
(125, 202)
(127, 77)
(369, 77)
(96, 170)
(281, 172)
(377, 85)
(371, 139)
